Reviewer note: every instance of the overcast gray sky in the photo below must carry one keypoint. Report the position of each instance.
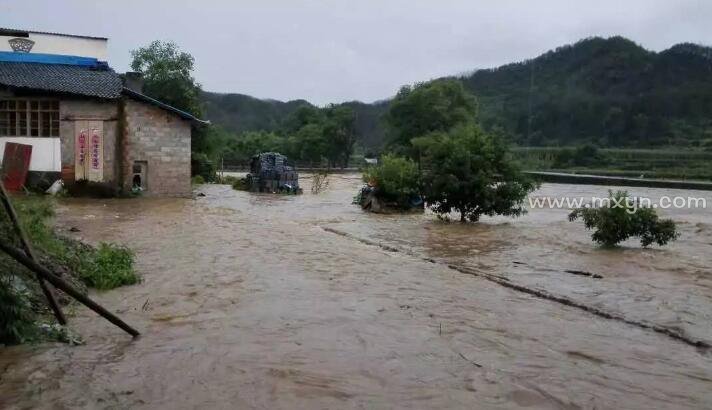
(337, 50)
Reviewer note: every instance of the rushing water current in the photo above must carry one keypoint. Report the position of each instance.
(259, 301)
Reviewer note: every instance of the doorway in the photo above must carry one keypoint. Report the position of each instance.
(89, 151)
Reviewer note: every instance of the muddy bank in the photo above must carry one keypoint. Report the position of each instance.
(248, 302)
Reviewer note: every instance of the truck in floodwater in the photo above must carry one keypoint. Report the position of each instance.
(273, 172)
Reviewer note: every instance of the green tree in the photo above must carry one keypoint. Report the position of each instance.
(311, 143)
(622, 217)
(340, 134)
(167, 73)
(469, 171)
(427, 107)
(241, 149)
(304, 115)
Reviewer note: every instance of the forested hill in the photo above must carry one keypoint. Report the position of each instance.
(238, 112)
(608, 91)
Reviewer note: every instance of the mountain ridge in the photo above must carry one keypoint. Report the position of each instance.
(609, 91)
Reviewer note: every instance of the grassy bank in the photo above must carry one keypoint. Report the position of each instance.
(663, 163)
(24, 316)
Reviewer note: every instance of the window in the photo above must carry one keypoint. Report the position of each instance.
(29, 118)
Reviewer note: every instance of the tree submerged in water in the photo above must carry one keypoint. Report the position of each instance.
(450, 163)
(621, 217)
(469, 171)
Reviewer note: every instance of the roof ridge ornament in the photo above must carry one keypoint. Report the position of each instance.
(21, 45)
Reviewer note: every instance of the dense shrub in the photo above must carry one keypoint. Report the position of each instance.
(395, 179)
(622, 218)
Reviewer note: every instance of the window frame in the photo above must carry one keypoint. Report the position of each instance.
(38, 119)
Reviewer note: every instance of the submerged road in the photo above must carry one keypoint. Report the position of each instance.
(249, 301)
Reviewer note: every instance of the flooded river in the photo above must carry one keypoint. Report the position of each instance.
(259, 301)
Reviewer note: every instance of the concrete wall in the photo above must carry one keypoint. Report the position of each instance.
(45, 152)
(162, 140)
(64, 45)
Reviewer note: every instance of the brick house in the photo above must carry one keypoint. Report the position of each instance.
(85, 121)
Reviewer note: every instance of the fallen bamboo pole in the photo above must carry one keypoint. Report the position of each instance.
(62, 285)
(49, 294)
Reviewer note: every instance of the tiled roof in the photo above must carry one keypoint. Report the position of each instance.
(58, 78)
(98, 82)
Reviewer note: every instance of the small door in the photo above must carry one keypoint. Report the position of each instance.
(89, 151)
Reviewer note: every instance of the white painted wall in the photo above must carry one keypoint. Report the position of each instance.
(64, 45)
(45, 152)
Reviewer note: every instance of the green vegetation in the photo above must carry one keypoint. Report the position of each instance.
(584, 156)
(22, 304)
(651, 163)
(469, 171)
(621, 218)
(427, 107)
(395, 179)
(202, 166)
(167, 75)
(16, 315)
(107, 267)
(451, 162)
(309, 135)
(608, 92)
(611, 92)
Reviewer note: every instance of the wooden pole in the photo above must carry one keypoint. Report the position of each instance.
(25, 242)
(62, 285)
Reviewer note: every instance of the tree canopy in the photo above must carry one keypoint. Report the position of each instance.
(167, 73)
(427, 107)
(469, 171)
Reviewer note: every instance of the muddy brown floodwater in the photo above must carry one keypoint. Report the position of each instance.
(258, 301)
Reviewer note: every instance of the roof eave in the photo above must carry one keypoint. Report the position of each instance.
(183, 114)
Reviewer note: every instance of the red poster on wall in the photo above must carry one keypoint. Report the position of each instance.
(15, 165)
(95, 149)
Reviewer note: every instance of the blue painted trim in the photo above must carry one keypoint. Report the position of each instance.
(13, 57)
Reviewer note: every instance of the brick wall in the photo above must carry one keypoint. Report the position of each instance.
(162, 140)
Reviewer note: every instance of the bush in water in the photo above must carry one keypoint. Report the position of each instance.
(622, 218)
(395, 179)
